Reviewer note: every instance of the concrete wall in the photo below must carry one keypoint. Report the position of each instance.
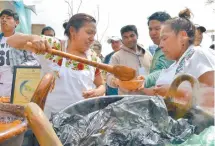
(37, 28)
(6, 5)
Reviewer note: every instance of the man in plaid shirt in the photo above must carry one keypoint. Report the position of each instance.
(10, 57)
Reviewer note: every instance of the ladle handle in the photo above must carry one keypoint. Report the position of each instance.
(170, 98)
(41, 126)
(102, 66)
(42, 90)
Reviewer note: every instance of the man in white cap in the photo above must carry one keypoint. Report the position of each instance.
(132, 55)
(115, 44)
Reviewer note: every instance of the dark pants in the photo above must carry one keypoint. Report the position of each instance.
(30, 139)
(111, 91)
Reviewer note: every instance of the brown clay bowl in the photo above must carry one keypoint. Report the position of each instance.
(132, 84)
(13, 122)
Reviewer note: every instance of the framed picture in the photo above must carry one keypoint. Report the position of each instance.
(25, 82)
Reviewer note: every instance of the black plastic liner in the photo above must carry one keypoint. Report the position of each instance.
(132, 121)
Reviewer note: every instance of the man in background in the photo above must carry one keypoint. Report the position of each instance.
(48, 31)
(115, 44)
(132, 55)
(10, 57)
(199, 35)
(97, 47)
(159, 61)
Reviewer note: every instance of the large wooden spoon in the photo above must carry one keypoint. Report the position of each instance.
(121, 72)
(41, 126)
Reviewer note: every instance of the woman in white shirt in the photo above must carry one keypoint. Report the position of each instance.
(177, 38)
(75, 81)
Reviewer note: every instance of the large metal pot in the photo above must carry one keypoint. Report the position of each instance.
(90, 105)
(189, 110)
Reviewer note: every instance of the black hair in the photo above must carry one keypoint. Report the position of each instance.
(128, 28)
(182, 23)
(201, 28)
(64, 25)
(212, 47)
(47, 28)
(159, 16)
(10, 12)
(77, 21)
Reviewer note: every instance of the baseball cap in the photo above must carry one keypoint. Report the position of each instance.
(201, 28)
(113, 38)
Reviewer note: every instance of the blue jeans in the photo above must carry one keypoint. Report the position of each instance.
(111, 91)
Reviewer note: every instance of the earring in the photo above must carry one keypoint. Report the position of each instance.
(182, 42)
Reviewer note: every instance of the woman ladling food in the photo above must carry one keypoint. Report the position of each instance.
(177, 38)
(76, 81)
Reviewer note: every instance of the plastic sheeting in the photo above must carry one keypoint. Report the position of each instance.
(24, 17)
(205, 138)
(132, 121)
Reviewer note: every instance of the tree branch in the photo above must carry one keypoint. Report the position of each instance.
(98, 12)
(70, 7)
(106, 28)
(79, 6)
(97, 21)
(209, 2)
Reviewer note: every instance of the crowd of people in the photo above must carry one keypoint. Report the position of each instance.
(177, 49)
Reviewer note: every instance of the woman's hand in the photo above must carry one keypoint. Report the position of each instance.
(161, 90)
(145, 91)
(140, 89)
(32, 43)
(90, 93)
(148, 91)
(37, 45)
(115, 82)
(182, 93)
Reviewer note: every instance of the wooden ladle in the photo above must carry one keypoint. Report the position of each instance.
(121, 72)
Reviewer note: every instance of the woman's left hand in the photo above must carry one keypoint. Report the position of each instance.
(90, 93)
(161, 90)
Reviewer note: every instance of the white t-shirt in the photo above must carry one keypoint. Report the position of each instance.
(6, 75)
(202, 61)
(74, 78)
